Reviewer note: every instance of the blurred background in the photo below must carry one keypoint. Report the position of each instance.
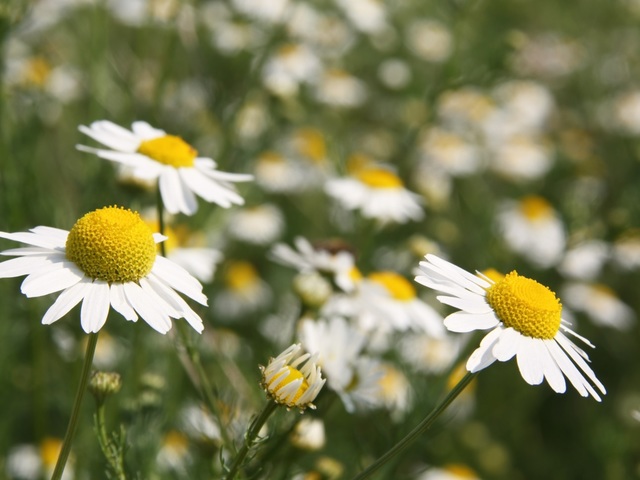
(514, 123)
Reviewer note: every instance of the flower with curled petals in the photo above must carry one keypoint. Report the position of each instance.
(151, 154)
(525, 319)
(107, 259)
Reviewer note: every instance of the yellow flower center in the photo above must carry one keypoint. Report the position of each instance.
(460, 471)
(281, 381)
(176, 441)
(535, 208)
(493, 274)
(526, 306)
(170, 150)
(379, 178)
(399, 287)
(112, 244)
(240, 275)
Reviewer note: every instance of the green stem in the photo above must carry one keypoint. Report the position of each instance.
(160, 207)
(250, 438)
(112, 453)
(422, 427)
(77, 403)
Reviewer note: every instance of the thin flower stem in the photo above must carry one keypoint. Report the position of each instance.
(422, 427)
(77, 403)
(112, 453)
(192, 352)
(250, 438)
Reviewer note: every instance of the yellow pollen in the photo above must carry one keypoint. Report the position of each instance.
(379, 178)
(526, 306)
(112, 244)
(239, 275)
(282, 380)
(38, 71)
(535, 208)
(169, 150)
(399, 287)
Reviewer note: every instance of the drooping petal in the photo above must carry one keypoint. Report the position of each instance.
(66, 301)
(95, 307)
(482, 357)
(179, 279)
(145, 307)
(177, 197)
(120, 304)
(185, 310)
(528, 362)
(507, 345)
(552, 372)
(570, 348)
(569, 369)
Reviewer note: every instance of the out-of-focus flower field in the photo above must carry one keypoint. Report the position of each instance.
(496, 134)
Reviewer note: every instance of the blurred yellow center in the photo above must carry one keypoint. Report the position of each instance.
(379, 178)
(50, 450)
(526, 306)
(281, 381)
(311, 144)
(399, 287)
(176, 441)
(240, 275)
(170, 150)
(112, 244)
(535, 208)
(493, 274)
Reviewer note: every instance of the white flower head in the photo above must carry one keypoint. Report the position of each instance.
(600, 304)
(288, 382)
(377, 193)
(532, 228)
(525, 319)
(154, 155)
(108, 259)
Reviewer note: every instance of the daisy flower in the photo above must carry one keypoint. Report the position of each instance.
(154, 155)
(600, 304)
(378, 193)
(287, 383)
(108, 259)
(525, 319)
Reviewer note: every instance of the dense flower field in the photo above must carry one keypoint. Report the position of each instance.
(319, 239)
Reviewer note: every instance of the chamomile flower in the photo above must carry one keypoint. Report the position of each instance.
(244, 291)
(377, 193)
(108, 259)
(525, 319)
(288, 382)
(153, 154)
(600, 304)
(532, 228)
(331, 258)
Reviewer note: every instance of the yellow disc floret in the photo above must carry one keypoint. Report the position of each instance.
(284, 379)
(240, 275)
(170, 150)
(379, 178)
(526, 306)
(536, 208)
(112, 244)
(399, 287)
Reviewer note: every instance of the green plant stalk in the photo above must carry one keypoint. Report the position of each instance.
(192, 353)
(250, 438)
(112, 453)
(77, 403)
(422, 427)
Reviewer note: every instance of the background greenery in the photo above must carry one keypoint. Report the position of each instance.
(165, 69)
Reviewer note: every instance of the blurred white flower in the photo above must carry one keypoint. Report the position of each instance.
(449, 472)
(290, 66)
(259, 225)
(244, 292)
(428, 354)
(174, 452)
(521, 158)
(308, 434)
(394, 73)
(273, 11)
(600, 304)
(368, 16)
(626, 250)
(546, 55)
(585, 260)
(377, 193)
(340, 89)
(277, 174)
(430, 40)
(532, 228)
(449, 152)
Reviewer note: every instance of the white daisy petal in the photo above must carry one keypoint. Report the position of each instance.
(467, 322)
(528, 362)
(181, 306)
(144, 306)
(17, 267)
(95, 307)
(53, 233)
(569, 369)
(31, 251)
(179, 279)
(146, 131)
(482, 357)
(570, 348)
(468, 304)
(51, 278)
(507, 345)
(165, 304)
(119, 302)
(176, 197)
(66, 301)
(552, 372)
(208, 189)
(35, 239)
